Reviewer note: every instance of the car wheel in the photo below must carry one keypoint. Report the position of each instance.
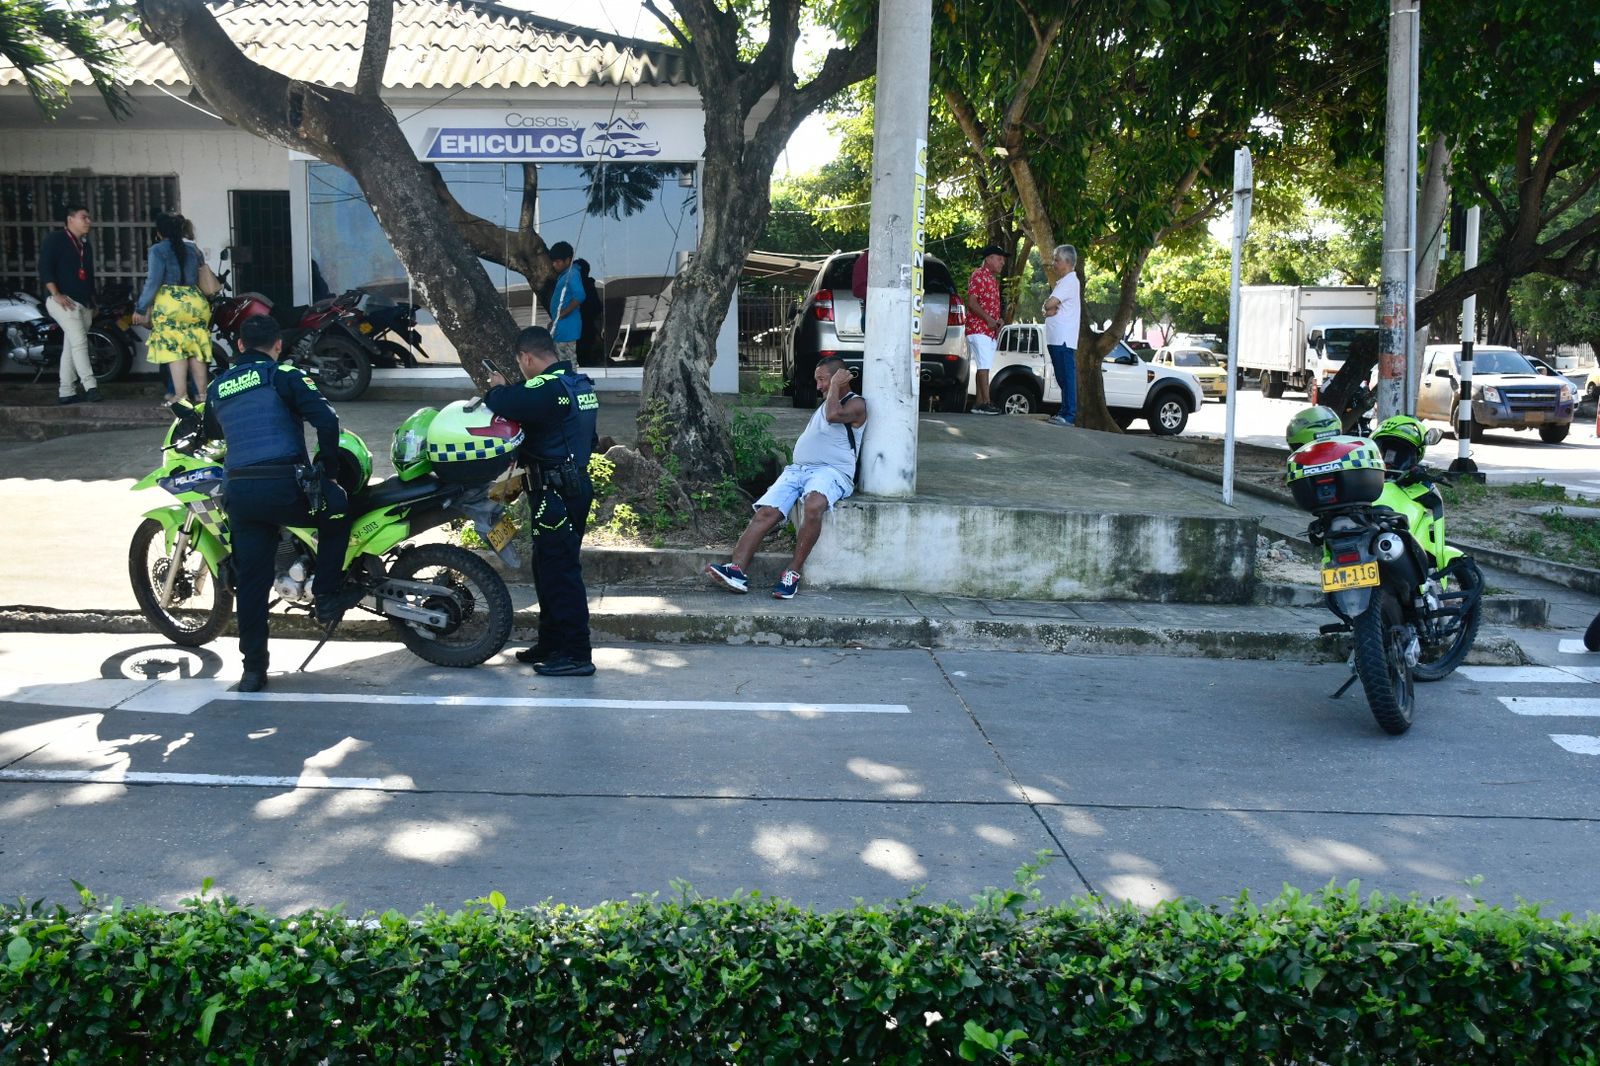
(1015, 398)
(1554, 434)
(805, 391)
(1167, 414)
(953, 399)
(1123, 419)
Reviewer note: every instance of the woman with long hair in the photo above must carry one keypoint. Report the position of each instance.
(178, 313)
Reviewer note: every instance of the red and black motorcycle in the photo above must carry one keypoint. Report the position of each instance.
(323, 338)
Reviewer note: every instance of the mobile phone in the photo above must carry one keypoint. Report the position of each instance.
(494, 368)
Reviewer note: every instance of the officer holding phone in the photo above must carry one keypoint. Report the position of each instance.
(558, 410)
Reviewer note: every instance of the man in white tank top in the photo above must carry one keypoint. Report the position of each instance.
(822, 474)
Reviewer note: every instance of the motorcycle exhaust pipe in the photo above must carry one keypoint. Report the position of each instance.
(1388, 547)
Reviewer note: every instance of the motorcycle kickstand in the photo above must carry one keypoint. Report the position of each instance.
(327, 635)
(1352, 679)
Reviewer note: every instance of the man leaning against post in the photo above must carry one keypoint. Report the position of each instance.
(983, 321)
(822, 474)
(1063, 311)
(566, 300)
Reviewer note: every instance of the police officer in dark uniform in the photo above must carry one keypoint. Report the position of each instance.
(558, 410)
(257, 406)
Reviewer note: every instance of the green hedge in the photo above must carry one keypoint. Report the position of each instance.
(1325, 977)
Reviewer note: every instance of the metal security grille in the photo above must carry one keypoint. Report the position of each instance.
(766, 314)
(124, 208)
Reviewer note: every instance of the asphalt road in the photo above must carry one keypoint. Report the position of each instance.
(1503, 455)
(822, 775)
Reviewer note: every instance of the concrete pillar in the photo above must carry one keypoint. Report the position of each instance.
(894, 273)
(1399, 207)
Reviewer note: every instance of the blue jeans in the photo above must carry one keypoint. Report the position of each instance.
(1065, 362)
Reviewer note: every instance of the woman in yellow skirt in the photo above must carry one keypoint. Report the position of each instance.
(177, 311)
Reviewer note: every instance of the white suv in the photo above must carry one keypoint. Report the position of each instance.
(1022, 382)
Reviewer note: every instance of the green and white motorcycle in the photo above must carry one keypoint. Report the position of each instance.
(1412, 602)
(446, 604)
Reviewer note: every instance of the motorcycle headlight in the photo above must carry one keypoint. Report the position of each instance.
(1489, 393)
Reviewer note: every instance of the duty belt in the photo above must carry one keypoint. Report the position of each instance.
(262, 471)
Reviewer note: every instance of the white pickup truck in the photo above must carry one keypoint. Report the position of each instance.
(1021, 382)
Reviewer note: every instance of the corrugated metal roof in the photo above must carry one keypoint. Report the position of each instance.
(445, 44)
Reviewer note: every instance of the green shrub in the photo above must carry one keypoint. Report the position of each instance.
(1325, 977)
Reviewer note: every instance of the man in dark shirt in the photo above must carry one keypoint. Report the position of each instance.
(558, 411)
(257, 406)
(66, 270)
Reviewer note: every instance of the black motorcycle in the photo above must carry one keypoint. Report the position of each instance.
(384, 324)
(31, 338)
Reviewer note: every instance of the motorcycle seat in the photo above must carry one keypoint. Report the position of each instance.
(392, 491)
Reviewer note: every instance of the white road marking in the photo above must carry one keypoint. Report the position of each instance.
(146, 777)
(1577, 743)
(1574, 647)
(1551, 707)
(186, 697)
(1520, 674)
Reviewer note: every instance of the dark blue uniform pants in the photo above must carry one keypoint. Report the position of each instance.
(559, 521)
(257, 509)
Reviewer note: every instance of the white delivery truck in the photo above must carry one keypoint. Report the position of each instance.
(1283, 331)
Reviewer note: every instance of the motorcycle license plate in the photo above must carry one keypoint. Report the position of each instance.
(1359, 576)
(501, 532)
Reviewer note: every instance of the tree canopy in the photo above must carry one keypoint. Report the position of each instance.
(37, 38)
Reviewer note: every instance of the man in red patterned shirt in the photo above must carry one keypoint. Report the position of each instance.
(983, 321)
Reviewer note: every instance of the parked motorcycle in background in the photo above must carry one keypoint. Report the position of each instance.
(32, 339)
(384, 325)
(1412, 602)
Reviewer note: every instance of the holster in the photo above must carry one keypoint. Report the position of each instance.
(309, 478)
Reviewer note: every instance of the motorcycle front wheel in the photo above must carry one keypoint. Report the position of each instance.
(1439, 660)
(1381, 638)
(109, 357)
(477, 605)
(200, 605)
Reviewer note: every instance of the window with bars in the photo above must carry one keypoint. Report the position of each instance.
(123, 206)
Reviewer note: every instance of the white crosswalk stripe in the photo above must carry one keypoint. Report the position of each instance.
(1577, 743)
(1551, 707)
(1532, 675)
(1561, 673)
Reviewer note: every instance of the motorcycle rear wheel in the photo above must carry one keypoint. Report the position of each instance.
(1381, 637)
(479, 605)
(1440, 660)
(343, 371)
(109, 357)
(201, 604)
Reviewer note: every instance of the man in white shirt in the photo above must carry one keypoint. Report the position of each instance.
(822, 474)
(1063, 312)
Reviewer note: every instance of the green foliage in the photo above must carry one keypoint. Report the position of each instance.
(753, 442)
(36, 36)
(1325, 977)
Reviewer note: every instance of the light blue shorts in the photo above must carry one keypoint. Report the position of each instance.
(798, 481)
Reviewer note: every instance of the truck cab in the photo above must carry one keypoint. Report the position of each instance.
(1022, 382)
(1332, 345)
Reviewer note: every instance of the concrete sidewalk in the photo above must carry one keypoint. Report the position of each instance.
(73, 576)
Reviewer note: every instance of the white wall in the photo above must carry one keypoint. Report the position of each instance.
(209, 163)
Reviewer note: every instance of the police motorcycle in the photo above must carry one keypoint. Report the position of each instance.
(445, 603)
(1412, 602)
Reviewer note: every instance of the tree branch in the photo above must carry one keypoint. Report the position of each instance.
(375, 49)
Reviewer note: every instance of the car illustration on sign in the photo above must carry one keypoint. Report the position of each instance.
(618, 138)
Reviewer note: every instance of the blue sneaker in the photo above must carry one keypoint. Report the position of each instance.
(787, 586)
(730, 575)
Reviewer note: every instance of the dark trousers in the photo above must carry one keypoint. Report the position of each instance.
(1064, 360)
(559, 521)
(257, 509)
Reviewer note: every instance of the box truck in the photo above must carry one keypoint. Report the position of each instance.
(1295, 335)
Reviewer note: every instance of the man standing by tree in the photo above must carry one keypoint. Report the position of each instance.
(983, 321)
(1063, 312)
(566, 321)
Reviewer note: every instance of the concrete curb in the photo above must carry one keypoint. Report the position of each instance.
(800, 630)
(1520, 612)
(1578, 577)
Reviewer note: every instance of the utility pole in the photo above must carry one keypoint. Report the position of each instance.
(892, 361)
(1396, 344)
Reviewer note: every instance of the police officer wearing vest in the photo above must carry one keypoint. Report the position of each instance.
(558, 410)
(258, 406)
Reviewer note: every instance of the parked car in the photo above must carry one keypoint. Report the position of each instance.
(1022, 382)
(1507, 392)
(1208, 368)
(829, 320)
